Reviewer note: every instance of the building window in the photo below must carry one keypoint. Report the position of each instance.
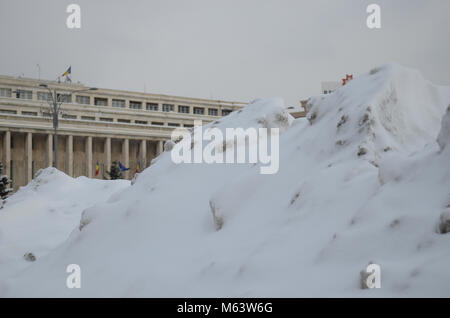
(173, 125)
(44, 96)
(5, 92)
(86, 100)
(212, 112)
(135, 105)
(100, 101)
(152, 106)
(20, 93)
(188, 125)
(140, 122)
(183, 109)
(87, 118)
(8, 111)
(225, 112)
(29, 113)
(109, 120)
(167, 107)
(68, 116)
(46, 114)
(65, 98)
(157, 123)
(120, 103)
(199, 110)
(124, 121)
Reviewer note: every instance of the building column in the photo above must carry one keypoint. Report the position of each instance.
(28, 157)
(88, 143)
(143, 154)
(126, 156)
(7, 153)
(159, 147)
(69, 155)
(49, 151)
(107, 152)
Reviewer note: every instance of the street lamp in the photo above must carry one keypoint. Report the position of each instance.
(55, 102)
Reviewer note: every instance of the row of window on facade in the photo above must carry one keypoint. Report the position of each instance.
(120, 103)
(92, 118)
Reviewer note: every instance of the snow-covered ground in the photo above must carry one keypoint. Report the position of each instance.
(41, 215)
(366, 178)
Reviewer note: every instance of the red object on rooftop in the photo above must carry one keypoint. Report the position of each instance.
(348, 77)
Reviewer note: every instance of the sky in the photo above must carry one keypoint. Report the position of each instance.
(235, 50)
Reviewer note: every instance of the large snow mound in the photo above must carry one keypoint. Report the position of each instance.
(391, 107)
(362, 180)
(42, 214)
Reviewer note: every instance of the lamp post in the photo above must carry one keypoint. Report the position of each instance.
(55, 102)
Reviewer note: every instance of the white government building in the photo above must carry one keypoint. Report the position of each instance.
(330, 87)
(95, 127)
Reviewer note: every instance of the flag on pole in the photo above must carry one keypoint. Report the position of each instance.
(97, 169)
(68, 71)
(138, 167)
(122, 167)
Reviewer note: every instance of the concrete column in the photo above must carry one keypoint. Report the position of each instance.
(49, 151)
(28, 157)
(107, 152)
(143, 154)
(126, 156)
(88, 143)
(69, 155)
(159, 147)
(7, 153)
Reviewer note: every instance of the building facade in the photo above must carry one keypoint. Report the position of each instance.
(330, 87)
(95, 127)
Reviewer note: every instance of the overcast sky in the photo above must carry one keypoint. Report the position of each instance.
(228, 49)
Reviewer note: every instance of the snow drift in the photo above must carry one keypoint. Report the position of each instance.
(365, 178)
(41, 215)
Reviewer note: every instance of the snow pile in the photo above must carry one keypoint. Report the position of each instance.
(41, 215)
(363, 180)
(391, 108)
